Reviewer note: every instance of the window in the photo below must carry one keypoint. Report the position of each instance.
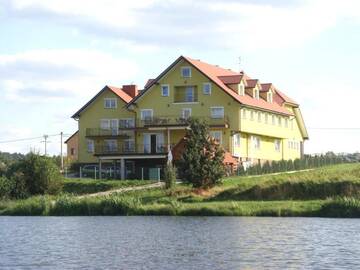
(185, 72)
(110, 145)
(165, 90)
(277, 145)
(110, 103)
(105, 124)
(185, 113)
(217, 135)
(244, 113)
(189, 94)
(273, 119)
(72, 151)
(259, 116)
(146, 114)
(256, 142)
(269, 97)
(252, 115)
(241, 89)
(279, 121)
(126, 123)
(90, 146)
(286, 122)
(256, 93)
(217, 112)
(129, 145)
(266, 118)
(237, 138)
(207, 88)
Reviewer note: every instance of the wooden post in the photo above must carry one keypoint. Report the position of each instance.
(142, 173)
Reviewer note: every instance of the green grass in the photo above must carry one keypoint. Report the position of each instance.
(87, 186)
(325, 192)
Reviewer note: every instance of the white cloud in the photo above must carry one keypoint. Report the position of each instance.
(59, 74)
(241, 25)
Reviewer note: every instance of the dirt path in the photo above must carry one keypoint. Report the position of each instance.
(120, 190)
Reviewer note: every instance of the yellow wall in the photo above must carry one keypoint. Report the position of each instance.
(90, 118)
(165, 106)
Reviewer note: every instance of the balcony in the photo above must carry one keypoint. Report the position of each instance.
(176, 121)
(131, 149)
(98, 132)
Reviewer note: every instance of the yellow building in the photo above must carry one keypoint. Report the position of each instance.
(252, 121)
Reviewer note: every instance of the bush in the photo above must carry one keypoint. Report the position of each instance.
(35, 175)
(5, 188)
(170, 176)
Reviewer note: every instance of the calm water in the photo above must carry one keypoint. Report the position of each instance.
(178, 243)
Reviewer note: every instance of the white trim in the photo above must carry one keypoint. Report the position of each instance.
(182, 103)
(161, 89)
(108, 121)
(92, 150)
(130, 156)
(142, 110)
(186, 109)
(217, 107)
(106, 99)
(203, 88)
(181, 70)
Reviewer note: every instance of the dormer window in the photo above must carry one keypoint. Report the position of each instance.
(165, 89)
(256, 93)
(185, 72)
(269, 97)
(241, 89)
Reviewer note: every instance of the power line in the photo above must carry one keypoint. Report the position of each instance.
(335, 128)
(33, 138)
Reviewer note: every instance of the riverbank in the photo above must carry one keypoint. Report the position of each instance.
(325, 192)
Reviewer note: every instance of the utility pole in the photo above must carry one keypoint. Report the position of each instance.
(45, 141)
(61, 151)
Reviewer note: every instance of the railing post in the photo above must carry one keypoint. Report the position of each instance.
(158, 174)
(80, 173)
(142, 173)
(95, 172)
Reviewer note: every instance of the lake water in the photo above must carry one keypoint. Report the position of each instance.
(178, 243)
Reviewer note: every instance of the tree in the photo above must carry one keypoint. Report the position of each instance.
(39, 174)
(170, 176)
(202, 161)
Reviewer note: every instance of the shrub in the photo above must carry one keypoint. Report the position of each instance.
(170, 176)
(5, 188)
(38, 174)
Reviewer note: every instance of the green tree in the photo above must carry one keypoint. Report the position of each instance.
(170, 176)
(39, 174)
(202, 161)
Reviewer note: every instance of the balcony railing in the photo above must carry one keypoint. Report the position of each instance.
(179, 121)
(131, 149)
(98, 132)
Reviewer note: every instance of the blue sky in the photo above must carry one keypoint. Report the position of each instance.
(55, 55)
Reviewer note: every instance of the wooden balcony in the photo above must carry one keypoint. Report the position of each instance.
(176, 121)
(106, 133)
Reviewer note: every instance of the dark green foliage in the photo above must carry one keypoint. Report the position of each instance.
(202, 161)
(341, 207)
(34, 175)
(170, 176)
(5, 187)
(307, 162)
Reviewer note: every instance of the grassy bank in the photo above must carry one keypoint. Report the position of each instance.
(86, 186)
(326, 192)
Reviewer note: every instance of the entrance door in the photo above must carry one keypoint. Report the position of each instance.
(153, 143)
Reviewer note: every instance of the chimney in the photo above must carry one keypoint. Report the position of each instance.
(131, 90)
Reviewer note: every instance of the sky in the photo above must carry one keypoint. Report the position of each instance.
(56, 55)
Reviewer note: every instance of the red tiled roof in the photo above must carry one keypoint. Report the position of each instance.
(265, 87)
(285, 98)
(213, 72)
(120, 93)
(251, 83)
(231, 79)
